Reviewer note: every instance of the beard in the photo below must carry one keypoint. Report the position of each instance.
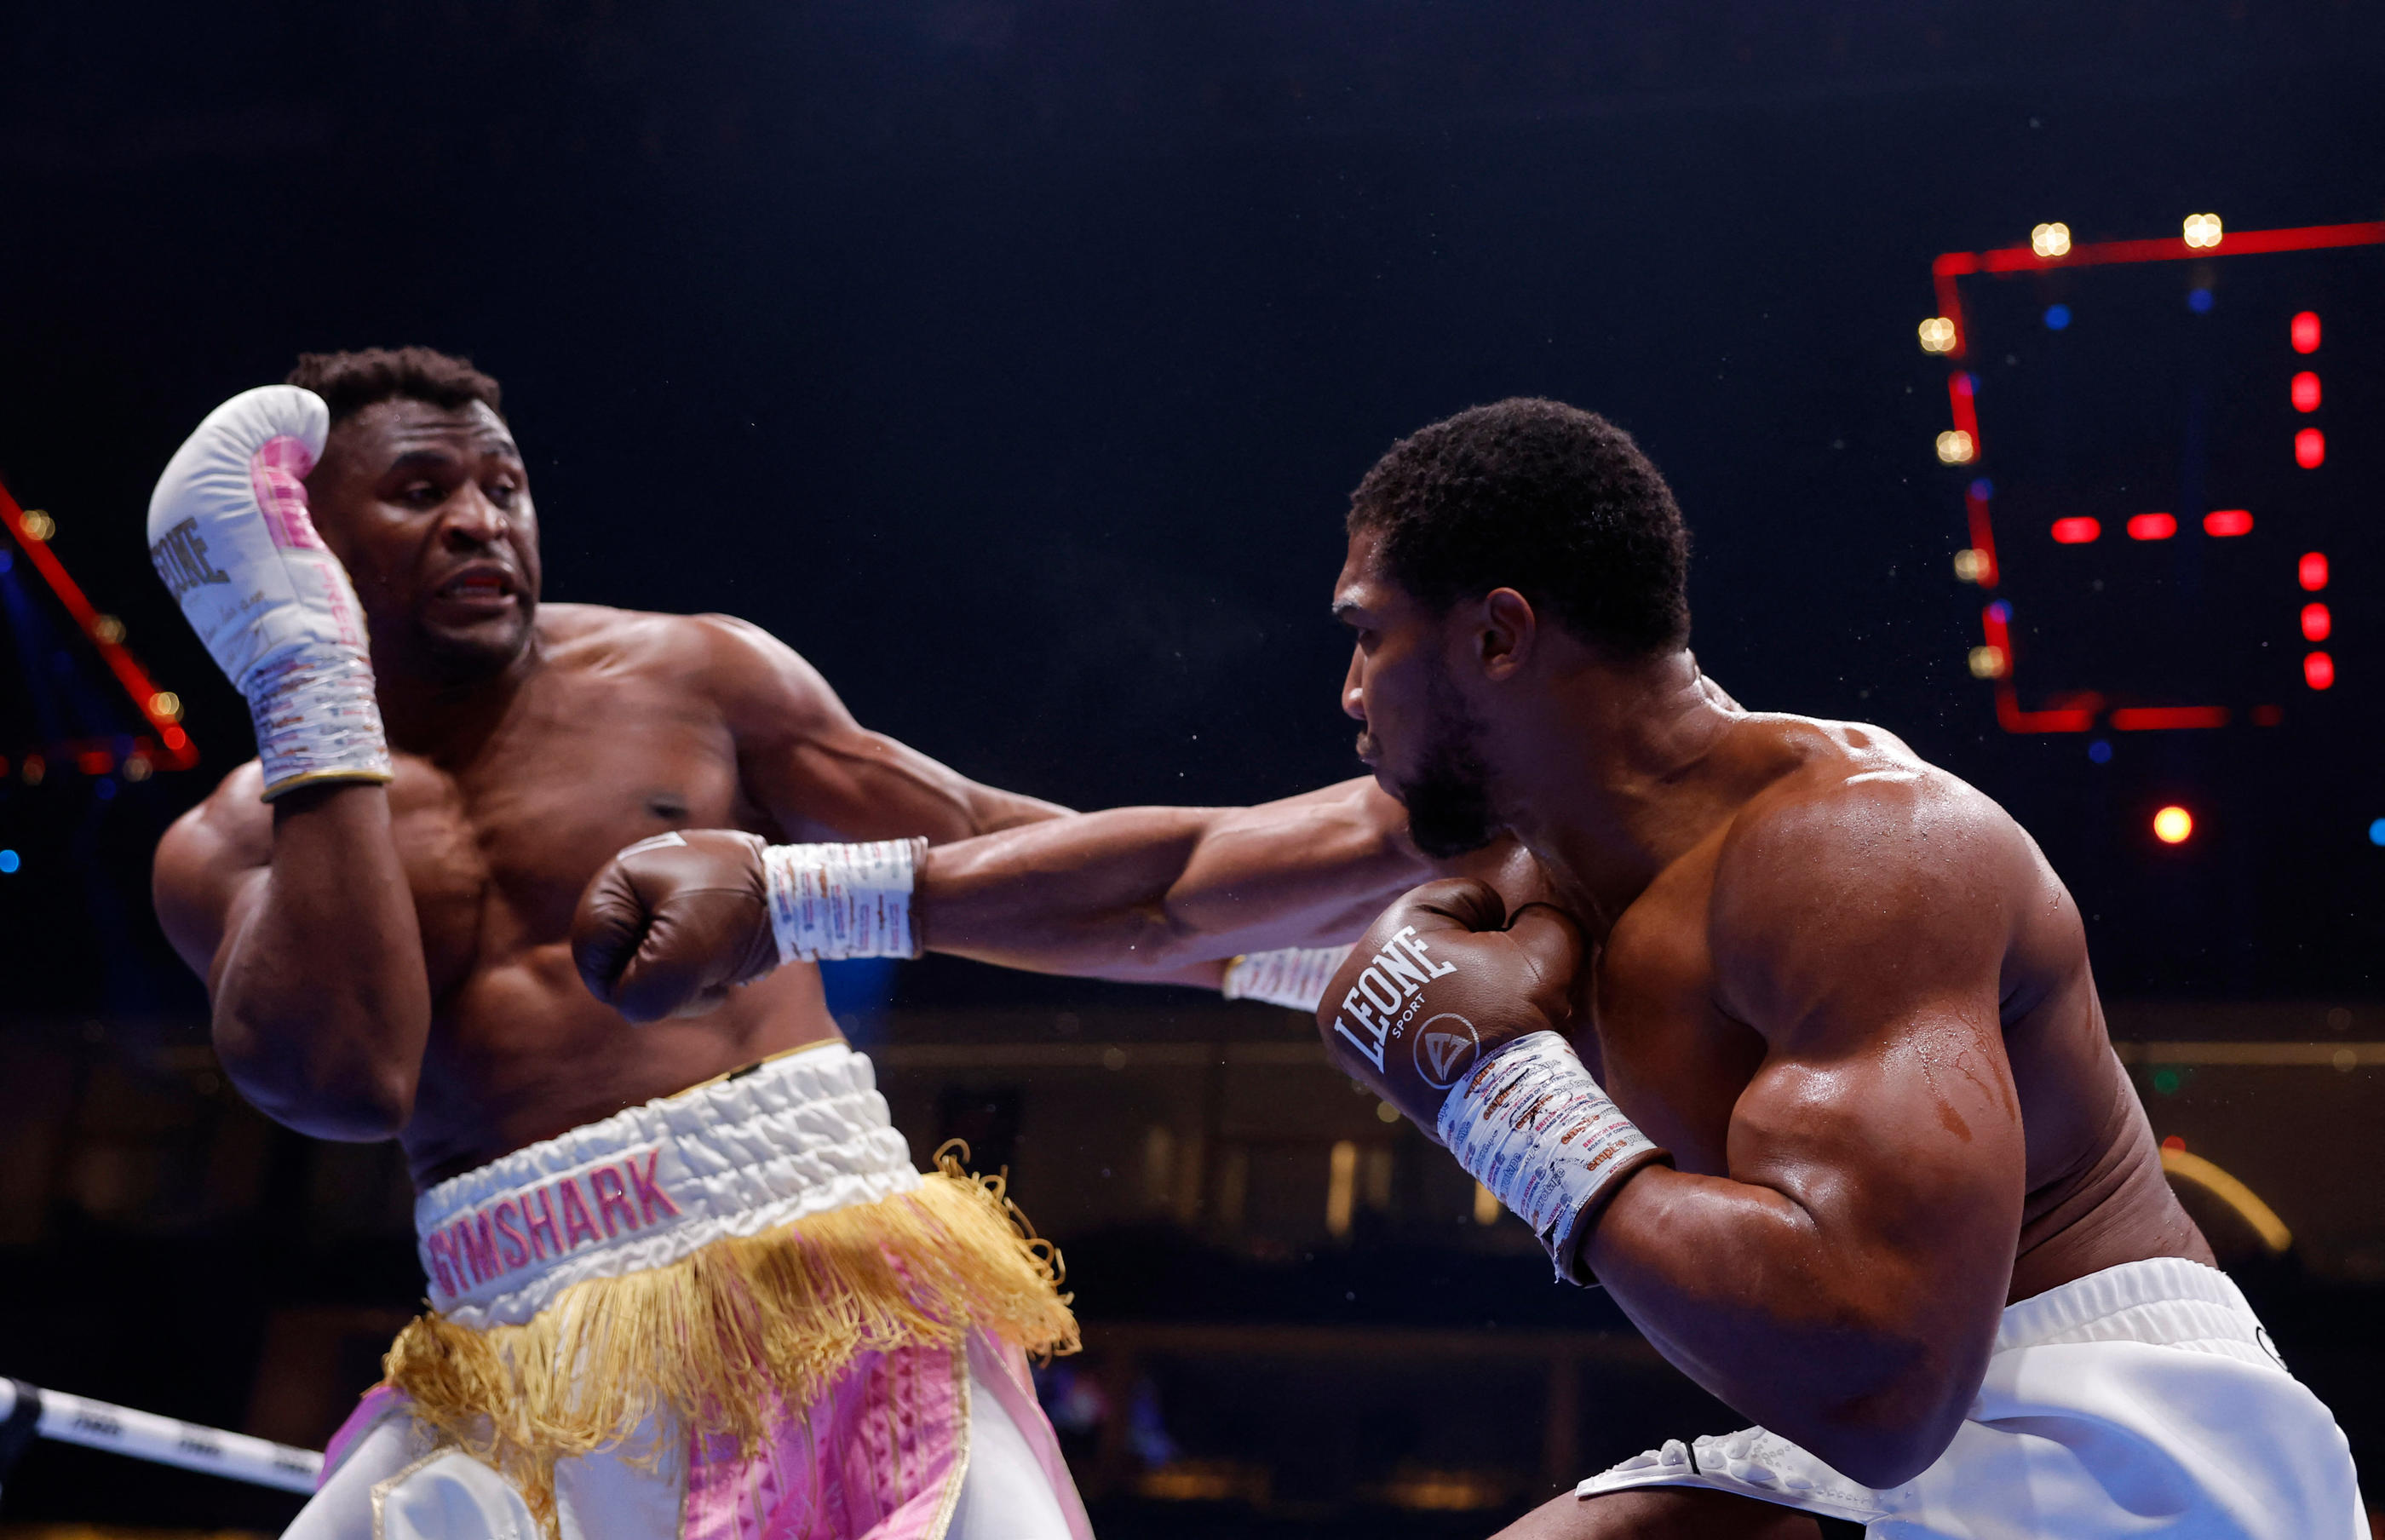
(1448, 797)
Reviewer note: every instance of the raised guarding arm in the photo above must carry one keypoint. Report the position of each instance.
(298, 917)
(1842, 1283)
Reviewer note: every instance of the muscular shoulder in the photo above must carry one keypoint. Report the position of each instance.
(752, 675)
(1863, 868)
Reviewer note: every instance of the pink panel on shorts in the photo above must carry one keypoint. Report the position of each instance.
(276, 473)
(877, 1458)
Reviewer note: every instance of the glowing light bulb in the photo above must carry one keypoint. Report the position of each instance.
(1989, 663)
(37, 525)
(2076, 532)
(1970, 566)
(1937, 335)
(2225, 522)
(2311, 571)
(2305, 387)
(2152, 526)
(2316, 622)
(2310, 449)
(107, 629)
(2203, 230)
(2304, 331)
(2173, 824)
(166, 706)
(2318, 670)
(2050, 240)
(1954, 447)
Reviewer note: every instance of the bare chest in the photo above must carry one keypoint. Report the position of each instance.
(1664, 1050)
(497, 842)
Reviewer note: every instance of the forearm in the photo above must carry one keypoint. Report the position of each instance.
(1827, 1339)
(1133, 892)
(321, 999)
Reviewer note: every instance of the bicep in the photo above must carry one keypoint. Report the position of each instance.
(1901, 1141)
(820, 774)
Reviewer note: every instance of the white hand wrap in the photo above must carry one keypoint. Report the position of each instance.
(1294, 976)
(229, 532)
(1532, 1125)
(829, 902)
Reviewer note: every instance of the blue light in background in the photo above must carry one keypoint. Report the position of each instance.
(1983, 489)
(10, 861)
(6, 561)
(2376, 836)
(2198, 300)
(2101, 752)
(2001, 611)
(104, 788)
(2057, 317)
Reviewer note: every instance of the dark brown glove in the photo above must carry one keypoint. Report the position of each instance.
(673, 923)
(1441, 977)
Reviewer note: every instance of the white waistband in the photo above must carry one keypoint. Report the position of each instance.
(2163, 1302)
(641, 1189)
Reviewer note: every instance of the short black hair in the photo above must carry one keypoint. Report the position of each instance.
(348, 383)
(1550, 500)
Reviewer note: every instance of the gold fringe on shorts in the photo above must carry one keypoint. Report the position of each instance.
(717, 1340)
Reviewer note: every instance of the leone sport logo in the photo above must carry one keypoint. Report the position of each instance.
(1446, 1046)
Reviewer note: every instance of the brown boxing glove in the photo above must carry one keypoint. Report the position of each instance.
(673, 923)
(1443, 978)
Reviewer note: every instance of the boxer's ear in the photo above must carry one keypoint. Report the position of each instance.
(1505, 629)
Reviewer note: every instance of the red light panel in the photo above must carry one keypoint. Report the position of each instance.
(2311, 570)
(2318, 670)
(2310, 449)
(2316, 622)
(2305, 391)
(2076, 532)
(2157, 719)
(2225, 522)
(2152, 526)
(2305, 332)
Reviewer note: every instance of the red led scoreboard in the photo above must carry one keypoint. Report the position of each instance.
(2170, 461)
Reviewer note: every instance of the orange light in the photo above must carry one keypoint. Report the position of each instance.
(2310, 449)
(2305, 332)
(2152, 526)
(2306, 392)
(2224, 522)
(2311, 570)
(2318, 670)
(2173, 824)
(2175, 1142)
(2316, 622)
(2076, 532)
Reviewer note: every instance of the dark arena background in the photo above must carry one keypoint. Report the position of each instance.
(2020, 367)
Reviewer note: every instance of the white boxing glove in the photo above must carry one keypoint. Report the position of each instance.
(229, 532)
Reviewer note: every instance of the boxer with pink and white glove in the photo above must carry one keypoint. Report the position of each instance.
(229, 532)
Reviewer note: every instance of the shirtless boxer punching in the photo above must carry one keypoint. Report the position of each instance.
(747, 1274)
(1804, 1062)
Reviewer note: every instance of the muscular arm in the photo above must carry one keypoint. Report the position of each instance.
(300, 919)
(821, 775)
(1842, 1283)
(1124, 893)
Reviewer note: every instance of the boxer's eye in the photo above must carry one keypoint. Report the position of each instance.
(423, 495)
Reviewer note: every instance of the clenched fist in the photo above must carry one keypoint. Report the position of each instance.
(1443, 978)
(673, 923)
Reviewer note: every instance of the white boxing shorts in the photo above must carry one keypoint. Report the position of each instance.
(2143, 1400)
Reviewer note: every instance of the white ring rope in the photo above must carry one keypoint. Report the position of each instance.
(164, 1440)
